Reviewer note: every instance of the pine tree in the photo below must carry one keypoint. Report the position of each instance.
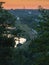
(39, 48)
(7, 22)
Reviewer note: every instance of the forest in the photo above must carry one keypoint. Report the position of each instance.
(35, 51)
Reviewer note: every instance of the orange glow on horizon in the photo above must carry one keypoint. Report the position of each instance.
(27, 4)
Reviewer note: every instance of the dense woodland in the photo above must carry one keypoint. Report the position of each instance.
(37, 51)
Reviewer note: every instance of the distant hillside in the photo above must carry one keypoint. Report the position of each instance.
(27, 19)
(26, 16)
(24, 12)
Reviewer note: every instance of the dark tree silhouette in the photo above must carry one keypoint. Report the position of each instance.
(39, 48)
(7, 21)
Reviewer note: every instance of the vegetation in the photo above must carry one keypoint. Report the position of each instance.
(7, 33)
(39, 48)
(37, 51)
(6, 43)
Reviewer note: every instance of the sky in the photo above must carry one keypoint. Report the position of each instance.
(27, 4)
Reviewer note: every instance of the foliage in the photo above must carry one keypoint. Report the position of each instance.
(6, 43)
(39, 48)
(38, 51)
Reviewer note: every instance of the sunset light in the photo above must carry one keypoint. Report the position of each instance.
(27, 4)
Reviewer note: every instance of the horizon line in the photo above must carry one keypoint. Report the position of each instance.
(25, 8)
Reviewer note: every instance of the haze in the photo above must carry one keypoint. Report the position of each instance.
(27, 4)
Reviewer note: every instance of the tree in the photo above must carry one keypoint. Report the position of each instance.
(39, 48)
(7, 23)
